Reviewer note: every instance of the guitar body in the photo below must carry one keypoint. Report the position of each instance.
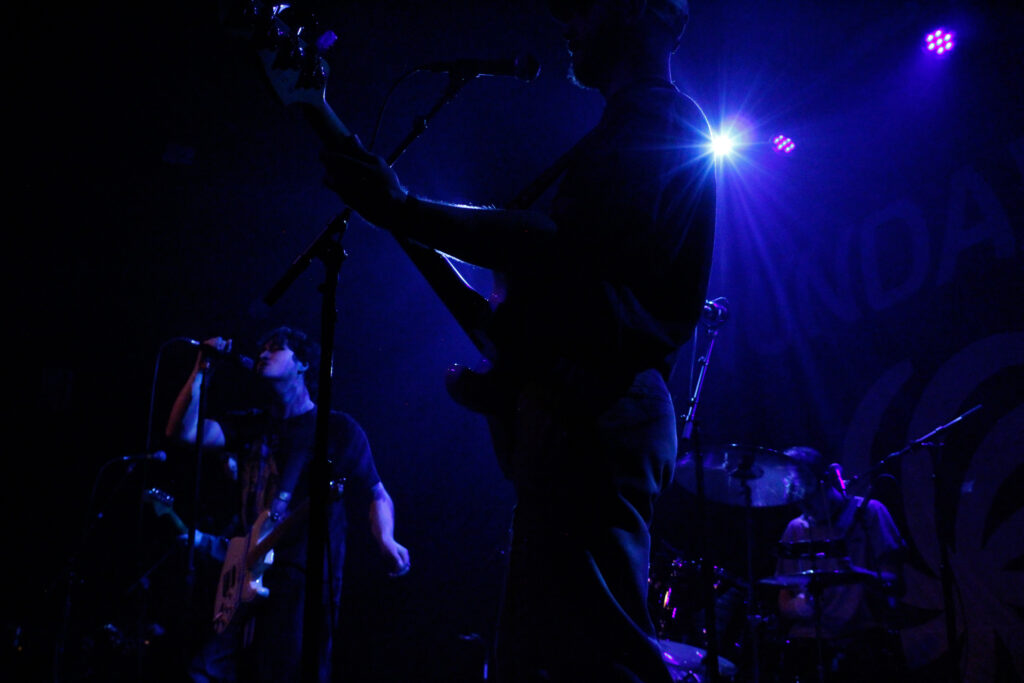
(248, 558)
(241, 575)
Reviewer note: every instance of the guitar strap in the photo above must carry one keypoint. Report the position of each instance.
(293, 466)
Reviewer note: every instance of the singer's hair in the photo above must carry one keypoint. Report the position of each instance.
(305, 348)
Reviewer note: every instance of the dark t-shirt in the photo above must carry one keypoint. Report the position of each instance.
(274, 456)
(625, 283)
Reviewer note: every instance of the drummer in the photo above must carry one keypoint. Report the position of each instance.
(845, 555)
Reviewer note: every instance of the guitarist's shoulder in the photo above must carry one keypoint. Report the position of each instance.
(344, 421)
(347, 433)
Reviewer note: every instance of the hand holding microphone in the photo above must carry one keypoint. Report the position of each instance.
(218, 347)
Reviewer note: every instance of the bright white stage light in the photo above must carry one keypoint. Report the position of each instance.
(722, 144)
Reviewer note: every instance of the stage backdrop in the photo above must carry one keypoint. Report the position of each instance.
(874, 279)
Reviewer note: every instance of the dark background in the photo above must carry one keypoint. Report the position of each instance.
(159, 190)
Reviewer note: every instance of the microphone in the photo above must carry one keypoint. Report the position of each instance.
(837, 472)
(158, 456)
(716, 311)
(211, 352)
(523, 67)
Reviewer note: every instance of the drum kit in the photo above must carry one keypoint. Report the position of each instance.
(752, 478)
(705, 612)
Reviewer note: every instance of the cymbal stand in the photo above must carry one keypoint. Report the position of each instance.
(816, 589)
(745, 473)
(715, 314)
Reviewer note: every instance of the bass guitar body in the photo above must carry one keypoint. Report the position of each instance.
(241, 575)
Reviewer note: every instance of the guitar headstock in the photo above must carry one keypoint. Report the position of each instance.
(291, 46)
(161, 501)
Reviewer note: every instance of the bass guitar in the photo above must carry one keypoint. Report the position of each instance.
(163, 506)
(249, 556)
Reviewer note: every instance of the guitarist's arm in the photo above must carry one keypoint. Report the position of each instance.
(382, 526)
(210, 545)
(498, 239)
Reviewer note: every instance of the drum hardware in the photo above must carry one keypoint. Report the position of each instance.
(815, 581)
(716, 312)
(748, 476)
(751, 477)
(819, 579)
(812, 549)
(676, 593)
(687, 663)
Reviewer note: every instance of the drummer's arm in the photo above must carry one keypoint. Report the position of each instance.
(890, 549)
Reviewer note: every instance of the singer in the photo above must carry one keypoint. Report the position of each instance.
(263, 640)
(603, 286)
(849, 616)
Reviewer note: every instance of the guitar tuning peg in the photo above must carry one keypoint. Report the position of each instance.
(326, 41)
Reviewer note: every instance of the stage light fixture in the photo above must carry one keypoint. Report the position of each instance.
(722, 144)
(939, 42)
(783, 144)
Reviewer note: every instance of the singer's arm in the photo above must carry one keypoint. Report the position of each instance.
(184, 417)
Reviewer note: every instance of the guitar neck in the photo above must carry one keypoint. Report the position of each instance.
(285, 526)
(179, 525)
(300, 77)
(162, 506)
(326, 124)
(471, 310)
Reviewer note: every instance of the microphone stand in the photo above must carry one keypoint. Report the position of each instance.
(72, 577)
(943, 527)
(190, 562)
(690, 435)
(328, 249)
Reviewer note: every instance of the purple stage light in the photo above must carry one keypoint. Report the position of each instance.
(939, 42)
(783, 144)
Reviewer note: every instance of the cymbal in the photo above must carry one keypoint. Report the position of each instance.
(683, 657)
(828, 577)
(806, 550)
(746, 476)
